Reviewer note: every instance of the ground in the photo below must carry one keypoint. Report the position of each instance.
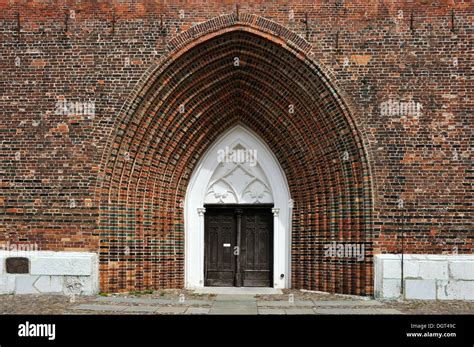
(187, 302)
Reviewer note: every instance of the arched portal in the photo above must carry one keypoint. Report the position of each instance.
(238, 169)
(230, 71)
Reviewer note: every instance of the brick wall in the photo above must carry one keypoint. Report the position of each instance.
(96, 152)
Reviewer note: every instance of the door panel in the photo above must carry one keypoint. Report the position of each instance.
(252, 266)
(220, 237)
(257, 248)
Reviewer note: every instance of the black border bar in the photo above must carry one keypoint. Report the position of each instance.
(226, 329)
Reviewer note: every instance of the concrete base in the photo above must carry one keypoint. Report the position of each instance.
(238, 290)
(425, 277)
(52, 272)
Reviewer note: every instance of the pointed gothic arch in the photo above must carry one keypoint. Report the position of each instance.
(184, 103)
(272, 176)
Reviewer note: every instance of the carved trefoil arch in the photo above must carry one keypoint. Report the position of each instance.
(238, 178)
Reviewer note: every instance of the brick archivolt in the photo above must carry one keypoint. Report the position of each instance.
(224, 74)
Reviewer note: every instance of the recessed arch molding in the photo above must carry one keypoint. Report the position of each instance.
(181, 106)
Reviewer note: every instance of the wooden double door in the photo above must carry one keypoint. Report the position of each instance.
(238, 246)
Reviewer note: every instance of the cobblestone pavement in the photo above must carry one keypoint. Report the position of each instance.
(186, 302)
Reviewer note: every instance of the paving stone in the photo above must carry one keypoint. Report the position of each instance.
(388, 311)
(142, 308)
(59, 304)
(347, 303)
(282, 303)
(195, 303)
(348, 311)
(92, 307)
(153, 301)
(231, 304)
(171, 310)
(225, 297)
(197, 310)
(233, 311)
(304, 303)
(299, 311)
(130, 300)
(268, 311)
(275, 303)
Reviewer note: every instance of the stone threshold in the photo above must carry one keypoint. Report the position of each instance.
(238, 290)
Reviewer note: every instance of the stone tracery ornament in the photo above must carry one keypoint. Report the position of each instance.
(239, 181)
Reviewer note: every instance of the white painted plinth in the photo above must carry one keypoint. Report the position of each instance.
(425, 276)
(52, 272)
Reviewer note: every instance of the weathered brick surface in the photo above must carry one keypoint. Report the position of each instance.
(114, 181)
